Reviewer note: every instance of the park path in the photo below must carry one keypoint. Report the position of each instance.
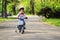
(35, 30)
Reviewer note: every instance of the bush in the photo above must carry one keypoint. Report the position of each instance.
(46, 11)
(49, 12)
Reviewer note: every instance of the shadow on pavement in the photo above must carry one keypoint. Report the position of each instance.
(6, 27)
(28, 32)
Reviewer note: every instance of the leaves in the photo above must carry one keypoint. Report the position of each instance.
(38, 4)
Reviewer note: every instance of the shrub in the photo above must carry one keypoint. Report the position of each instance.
(49, 12)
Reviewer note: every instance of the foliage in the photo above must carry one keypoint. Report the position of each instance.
(38, 5)
(26, 5)
(11, 6)
(54, 7)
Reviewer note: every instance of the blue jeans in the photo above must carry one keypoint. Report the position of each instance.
(20, 27)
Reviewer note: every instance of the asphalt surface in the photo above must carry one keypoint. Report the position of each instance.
(35, 30)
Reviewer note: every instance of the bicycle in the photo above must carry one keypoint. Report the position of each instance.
(21, 28)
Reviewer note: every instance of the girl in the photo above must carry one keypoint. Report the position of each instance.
(21, 19)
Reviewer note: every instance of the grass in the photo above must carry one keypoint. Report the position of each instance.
(5, 19)
(52, 21)
(10, 18)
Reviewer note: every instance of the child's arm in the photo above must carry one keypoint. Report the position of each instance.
(18, 16)
(25, 17)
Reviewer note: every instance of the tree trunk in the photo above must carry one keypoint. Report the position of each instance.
(4, 9)
(32, 6)
(14, 9)
(41, 1)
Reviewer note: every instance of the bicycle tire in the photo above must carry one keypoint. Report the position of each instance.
(22, 30)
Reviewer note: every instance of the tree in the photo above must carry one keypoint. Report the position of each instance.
(15, 2)
(0, 6)
(32, 6)
(13, 5)
(4, 8)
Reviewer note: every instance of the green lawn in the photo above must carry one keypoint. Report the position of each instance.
(52, 21)
(5, 19)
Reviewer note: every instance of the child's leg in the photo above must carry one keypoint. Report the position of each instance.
(20, 27)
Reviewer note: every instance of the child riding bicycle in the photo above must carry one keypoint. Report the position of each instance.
(21, 19)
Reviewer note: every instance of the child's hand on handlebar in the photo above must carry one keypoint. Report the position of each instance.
(26, 17)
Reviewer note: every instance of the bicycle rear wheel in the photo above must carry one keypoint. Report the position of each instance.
(22, 30)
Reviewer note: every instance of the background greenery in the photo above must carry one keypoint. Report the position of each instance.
(0, 5)
(38, 4)
(48, 8)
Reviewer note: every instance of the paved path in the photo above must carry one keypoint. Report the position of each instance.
(35, 30)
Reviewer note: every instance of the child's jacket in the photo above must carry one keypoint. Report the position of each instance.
(21, 19)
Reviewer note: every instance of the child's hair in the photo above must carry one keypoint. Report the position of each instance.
(21, 9)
